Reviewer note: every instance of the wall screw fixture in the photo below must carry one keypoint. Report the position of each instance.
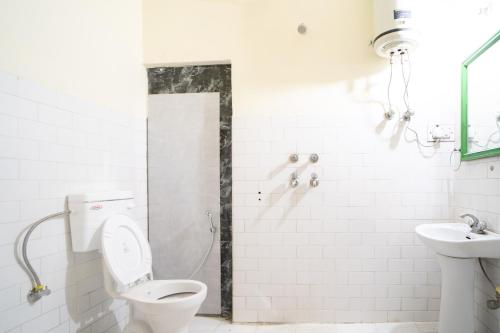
(314, 158)
(302, 29)
(293, 158)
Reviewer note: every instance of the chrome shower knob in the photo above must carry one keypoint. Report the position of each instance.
(314, 182)
(293, 158)
(294, 180)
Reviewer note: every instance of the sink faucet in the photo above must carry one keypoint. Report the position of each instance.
(475, 224)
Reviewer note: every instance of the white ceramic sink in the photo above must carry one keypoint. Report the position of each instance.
(456, 240)
(457, 251)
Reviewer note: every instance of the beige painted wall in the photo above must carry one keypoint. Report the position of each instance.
(260, 39)
(86, 49)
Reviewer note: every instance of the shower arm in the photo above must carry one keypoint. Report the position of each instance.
(38, 289)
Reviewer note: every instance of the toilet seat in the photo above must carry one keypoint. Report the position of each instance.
(126, 251)
(160, 306)
(127, 256)
(166, 291)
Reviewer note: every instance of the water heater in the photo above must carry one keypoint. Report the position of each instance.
(394, 27)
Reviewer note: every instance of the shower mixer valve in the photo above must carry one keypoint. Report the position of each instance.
(314, 182)
(294, 180)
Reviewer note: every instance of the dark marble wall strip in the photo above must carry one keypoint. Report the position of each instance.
(200, 79)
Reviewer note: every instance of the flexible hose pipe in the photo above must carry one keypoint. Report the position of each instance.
(38, 289)
(213, 231)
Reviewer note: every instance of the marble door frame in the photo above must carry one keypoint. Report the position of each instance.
(205, 79)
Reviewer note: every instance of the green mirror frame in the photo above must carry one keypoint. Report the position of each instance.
(465, 155)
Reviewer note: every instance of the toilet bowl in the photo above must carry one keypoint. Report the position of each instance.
(168, 305)
(165, 306)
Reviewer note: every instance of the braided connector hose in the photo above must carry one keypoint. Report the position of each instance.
(38, 290)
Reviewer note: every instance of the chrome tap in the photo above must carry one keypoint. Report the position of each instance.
(314, 182)
(294, 180)
(475, 224)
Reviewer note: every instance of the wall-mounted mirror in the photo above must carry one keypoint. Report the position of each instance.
(480, 134)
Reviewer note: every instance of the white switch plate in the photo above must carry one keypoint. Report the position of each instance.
(446, 133)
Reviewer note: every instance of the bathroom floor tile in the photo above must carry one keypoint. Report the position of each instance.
(236, 328)
(316, 328)
(278, 328)
(206, 324)
(217, 325)
(427, 327)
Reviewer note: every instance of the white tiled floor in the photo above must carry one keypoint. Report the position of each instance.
(216, 325)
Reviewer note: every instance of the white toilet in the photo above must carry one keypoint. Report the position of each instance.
(159, 306)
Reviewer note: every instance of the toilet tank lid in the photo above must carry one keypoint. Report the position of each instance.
(100, 196)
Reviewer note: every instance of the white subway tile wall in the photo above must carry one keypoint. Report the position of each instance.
(342, 252)
(477, 191)
(52, 145)
(346, 250)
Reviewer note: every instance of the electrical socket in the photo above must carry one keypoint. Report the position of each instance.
(441, 132)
